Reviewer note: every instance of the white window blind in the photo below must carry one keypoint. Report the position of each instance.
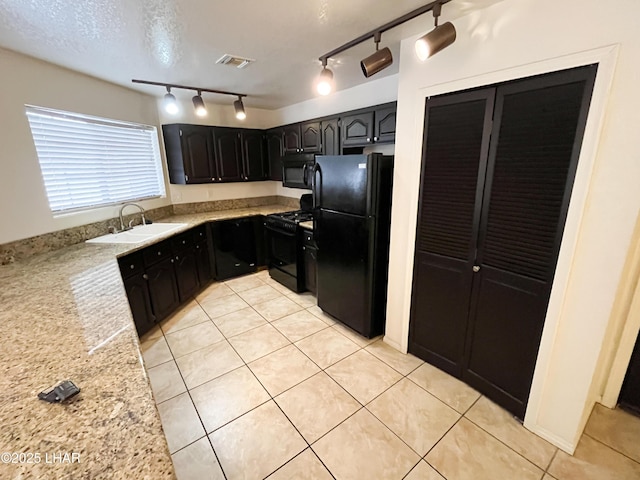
(89, 161)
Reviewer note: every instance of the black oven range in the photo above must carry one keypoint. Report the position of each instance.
(284, 252)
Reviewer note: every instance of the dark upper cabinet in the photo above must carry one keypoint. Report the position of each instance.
(291, 138)
(357, 129)
(190, 153)
(373, 125)
(302, 138)
(311, 137)
(228, 154)
(253, 155)
(275, 152)
(330, 137)
(385, 125)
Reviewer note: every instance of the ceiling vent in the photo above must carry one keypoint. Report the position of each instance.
(234, 61)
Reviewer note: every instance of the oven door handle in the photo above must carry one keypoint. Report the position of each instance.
(281, 232)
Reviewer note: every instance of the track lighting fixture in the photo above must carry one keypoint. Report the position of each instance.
(171, 105)
(324, 84)
(239, 107)
(198, 105)
(378, 61)
(437, 39)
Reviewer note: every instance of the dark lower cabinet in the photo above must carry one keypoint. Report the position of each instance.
(310, 255)
(159, 278)
(186, 267)
(137, 289)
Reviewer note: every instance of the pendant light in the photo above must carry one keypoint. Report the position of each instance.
(324, 84)
(437, 39)
(170, 104)
(198, 105)
(380, 60)
(239, 107)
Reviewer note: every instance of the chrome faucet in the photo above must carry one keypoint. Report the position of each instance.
(122, 226)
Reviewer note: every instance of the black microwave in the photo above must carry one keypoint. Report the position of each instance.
(297, 170)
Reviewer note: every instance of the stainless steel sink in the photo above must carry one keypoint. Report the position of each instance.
(139, 234)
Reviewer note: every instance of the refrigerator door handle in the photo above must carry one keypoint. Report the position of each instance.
(316, 186)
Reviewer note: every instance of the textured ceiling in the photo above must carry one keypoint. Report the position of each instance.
(178, 41)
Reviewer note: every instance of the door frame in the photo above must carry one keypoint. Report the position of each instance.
(554, 360)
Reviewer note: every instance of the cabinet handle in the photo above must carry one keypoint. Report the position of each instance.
(172, 260)
(237, 264)
(159, 253)
(375, 139)
(476, 268)
(145, 276)
(132, 266)
(219, 179)
(213, 179)
(197, 247)
(177, 257)
(302, 149)
(184, 242)
(368, 139)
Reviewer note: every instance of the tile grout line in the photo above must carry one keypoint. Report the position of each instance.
(610, 447)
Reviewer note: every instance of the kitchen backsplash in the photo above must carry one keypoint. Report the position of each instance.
(12, 251)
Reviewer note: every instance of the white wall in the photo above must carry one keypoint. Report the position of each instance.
(24, 208)
(514, 39)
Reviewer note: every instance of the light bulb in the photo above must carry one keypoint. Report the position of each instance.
(170, 104)
(325, 82)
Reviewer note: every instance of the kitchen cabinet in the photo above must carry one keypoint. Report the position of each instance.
(497, 172)
(159, 278)
(275, 152)
(163, 288)
(302, 138)
(254, 155)
(369, 126)
(330, 137)
(310, 255)
(190, 154)
(235, 246)
(204, 154)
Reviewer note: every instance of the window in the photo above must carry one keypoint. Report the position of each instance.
(89, 161)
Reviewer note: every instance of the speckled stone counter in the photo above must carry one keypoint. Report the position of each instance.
(65, 315)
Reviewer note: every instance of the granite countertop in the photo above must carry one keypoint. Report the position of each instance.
(65, 315)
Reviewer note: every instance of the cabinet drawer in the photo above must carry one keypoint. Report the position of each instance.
(183, 241)
(307, 238)
(156, 253)
(131, 265)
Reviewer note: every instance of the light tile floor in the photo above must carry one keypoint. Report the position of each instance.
(255, 381)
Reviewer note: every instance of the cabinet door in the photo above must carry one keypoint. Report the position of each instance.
(385, 125)
(140, 302)
(357, 130)
(292, 140)
(311, 138)
(203, 263)
(275, 151)
(163, 289)
(186, 269)
(228, 154)
(310, 268)
(330, 137)
(253, 153)
(197, 153)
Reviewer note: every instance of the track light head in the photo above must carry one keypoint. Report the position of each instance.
(437, 39)
(198, 105)
(324, 83)
(380, 60)
(170, 103)
(239, 107)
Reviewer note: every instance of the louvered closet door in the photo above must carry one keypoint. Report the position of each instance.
(454, 162)
(532, 161)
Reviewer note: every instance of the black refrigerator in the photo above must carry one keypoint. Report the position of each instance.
(352, 222)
